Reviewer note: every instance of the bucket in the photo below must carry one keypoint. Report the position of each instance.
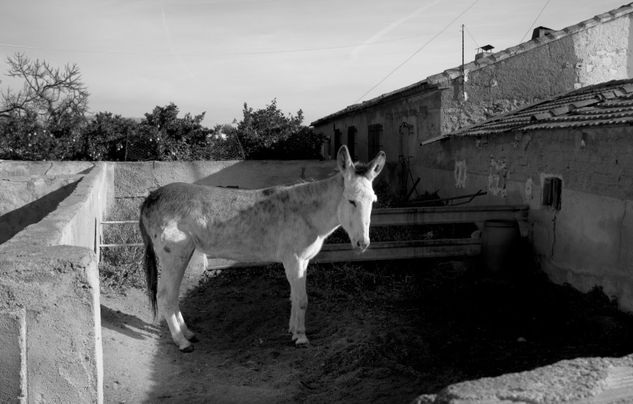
(500, 240)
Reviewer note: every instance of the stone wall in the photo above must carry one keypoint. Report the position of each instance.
(590, 52)
(596, 212)
(419, 110)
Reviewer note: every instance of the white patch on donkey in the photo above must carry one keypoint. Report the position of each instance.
(280, 224)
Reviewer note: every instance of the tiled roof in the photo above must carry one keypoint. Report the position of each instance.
(609, 103)
(450, 74)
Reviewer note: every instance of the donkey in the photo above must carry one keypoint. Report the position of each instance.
(280, 224)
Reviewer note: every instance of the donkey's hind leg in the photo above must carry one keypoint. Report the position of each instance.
(173, 260)
(197, 265)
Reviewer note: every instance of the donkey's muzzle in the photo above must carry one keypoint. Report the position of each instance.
(361, 246)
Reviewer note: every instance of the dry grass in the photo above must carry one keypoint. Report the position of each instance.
(121, 267)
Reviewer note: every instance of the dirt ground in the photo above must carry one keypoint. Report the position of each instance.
(380, 332)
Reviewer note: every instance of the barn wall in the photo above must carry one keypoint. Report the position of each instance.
(420, 111)
(587, 242)
(590, 52)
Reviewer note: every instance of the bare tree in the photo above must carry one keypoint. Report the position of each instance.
(50, 92)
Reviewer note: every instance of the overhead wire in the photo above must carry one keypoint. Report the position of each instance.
(418, 50)
(471, 36)
(237, 53)
(534, 22)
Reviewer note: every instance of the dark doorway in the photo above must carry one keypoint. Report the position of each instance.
(351, 141)
(337, 142)
(374, 133)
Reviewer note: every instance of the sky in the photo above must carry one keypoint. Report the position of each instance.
(215, 55)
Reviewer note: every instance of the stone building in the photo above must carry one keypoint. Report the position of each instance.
(570, 159)
(552, 62)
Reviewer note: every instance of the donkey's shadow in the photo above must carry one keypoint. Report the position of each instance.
(127, 324)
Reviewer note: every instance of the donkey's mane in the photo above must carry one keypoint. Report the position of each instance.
(362, 168)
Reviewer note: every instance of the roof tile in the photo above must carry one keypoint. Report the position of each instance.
(609, 103)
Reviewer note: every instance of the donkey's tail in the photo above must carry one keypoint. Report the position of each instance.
(149, 263)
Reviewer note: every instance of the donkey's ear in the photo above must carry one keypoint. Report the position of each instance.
(376, 165)
(343, 159)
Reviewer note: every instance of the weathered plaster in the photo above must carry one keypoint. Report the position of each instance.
(586, 243)
(57, 287)
(603, 52)
(461, 173)
(497, 177)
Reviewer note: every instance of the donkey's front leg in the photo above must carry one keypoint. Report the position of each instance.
(296, 271)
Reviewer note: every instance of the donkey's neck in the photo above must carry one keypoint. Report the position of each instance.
(320, 200)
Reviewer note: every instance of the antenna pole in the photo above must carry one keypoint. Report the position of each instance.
(463, 77)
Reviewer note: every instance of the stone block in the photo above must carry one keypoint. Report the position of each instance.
(13, 387)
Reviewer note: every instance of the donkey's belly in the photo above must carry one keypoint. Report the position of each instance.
(245, 247)
(240, 255)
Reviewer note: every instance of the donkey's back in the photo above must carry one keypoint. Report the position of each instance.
(246, 225)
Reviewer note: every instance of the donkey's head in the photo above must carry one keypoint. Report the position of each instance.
(354, 209)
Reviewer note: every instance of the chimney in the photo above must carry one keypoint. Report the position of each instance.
(483, 51)
(540, 32)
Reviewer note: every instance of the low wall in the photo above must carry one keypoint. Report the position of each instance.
(137, 178)
(19, 191)
(32, 190)
(27, 200)
(50, 327)
(13, 168)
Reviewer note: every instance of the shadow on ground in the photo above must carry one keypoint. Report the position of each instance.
(380, 332)
(127, 324)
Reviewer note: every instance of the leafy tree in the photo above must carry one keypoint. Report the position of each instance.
(225, 144)
(24, 138)
(173, 138)
(107, 137)
(269, 134)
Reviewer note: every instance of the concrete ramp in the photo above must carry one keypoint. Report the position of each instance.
(577, 381)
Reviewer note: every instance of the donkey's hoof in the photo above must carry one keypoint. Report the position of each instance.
(301, 340)
(187, 349)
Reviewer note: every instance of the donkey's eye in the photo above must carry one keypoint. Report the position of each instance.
(353, 203)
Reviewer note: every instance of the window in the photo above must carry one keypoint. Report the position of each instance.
(374, 133)
(351, 141)
(552, 190)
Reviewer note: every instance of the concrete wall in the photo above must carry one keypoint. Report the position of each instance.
(138, 178)
(596, 214)
(134, 180)
(31, 190)
(27, 200)
(49, 296)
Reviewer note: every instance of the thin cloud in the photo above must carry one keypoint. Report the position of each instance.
(374, 38)
(172, 49)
